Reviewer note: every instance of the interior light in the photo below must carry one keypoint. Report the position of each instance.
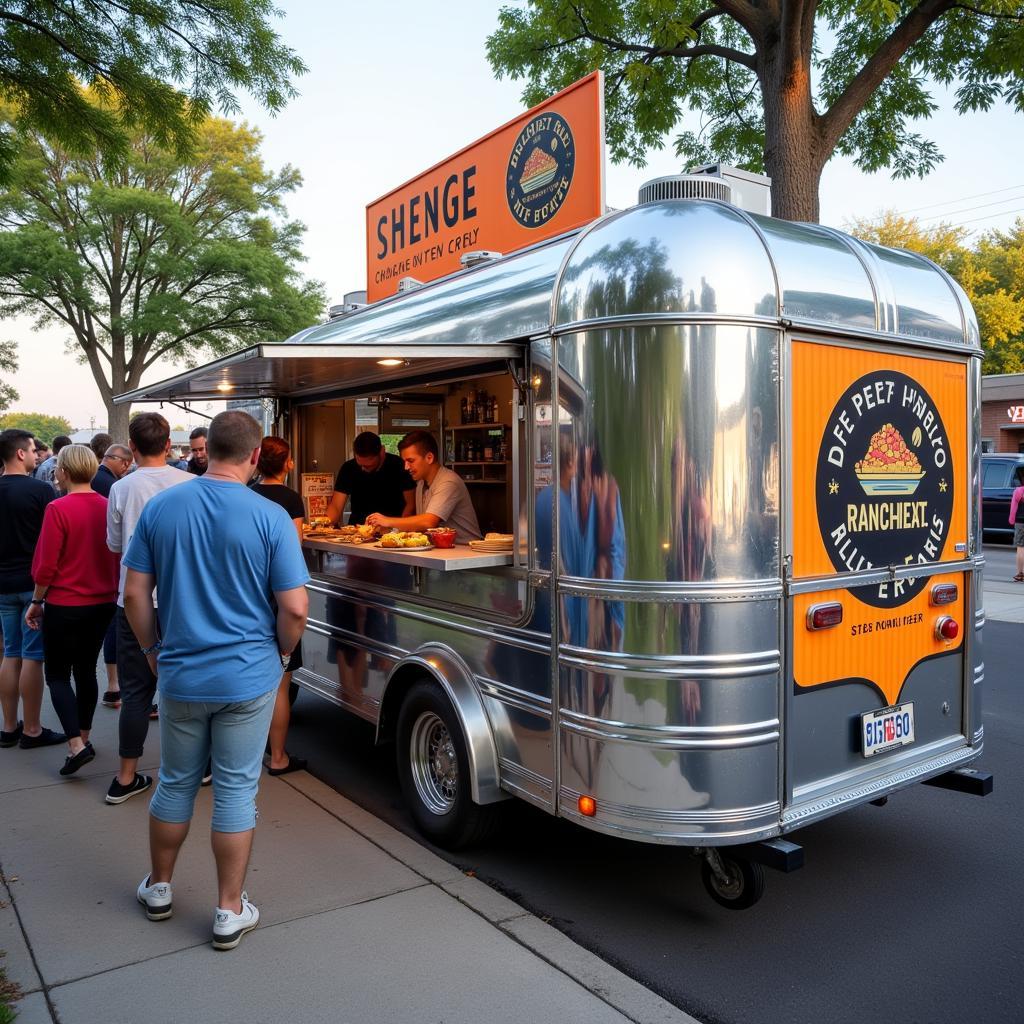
(587, 806)
(390, 362)
(535, 382)
(224, 386)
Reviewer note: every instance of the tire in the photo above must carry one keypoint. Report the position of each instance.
(745, 886)
(433, 768)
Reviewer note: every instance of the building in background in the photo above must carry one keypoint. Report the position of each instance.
(1002, 412)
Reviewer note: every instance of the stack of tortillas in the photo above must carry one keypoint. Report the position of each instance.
(493, 542)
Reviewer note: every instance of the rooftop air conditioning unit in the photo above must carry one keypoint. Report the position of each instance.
(350, 302)
(685, 186)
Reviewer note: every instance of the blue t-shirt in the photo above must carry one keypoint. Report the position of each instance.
(218, 551)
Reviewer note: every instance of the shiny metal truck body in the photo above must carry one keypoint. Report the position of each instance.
(639, 651)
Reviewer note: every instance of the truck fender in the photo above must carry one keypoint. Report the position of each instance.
(450, 672)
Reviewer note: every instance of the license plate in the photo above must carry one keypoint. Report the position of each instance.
(886, 729)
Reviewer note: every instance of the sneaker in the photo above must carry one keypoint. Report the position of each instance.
(207, 775)
(155, 898)
(112, 699)
(117, 794)
(75, 761)
(228, 927)
(154, 713)
(10, 739)
(47, 738)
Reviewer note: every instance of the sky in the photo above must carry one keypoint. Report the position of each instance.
(395, 87)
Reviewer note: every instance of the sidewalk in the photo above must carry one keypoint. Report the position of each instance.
(1004, 601)
(359, 922)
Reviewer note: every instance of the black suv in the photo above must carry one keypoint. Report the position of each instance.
(1000, 474)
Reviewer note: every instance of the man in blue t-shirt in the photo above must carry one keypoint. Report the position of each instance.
(231, 578)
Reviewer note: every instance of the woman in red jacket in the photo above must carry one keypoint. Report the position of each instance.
(77, 575)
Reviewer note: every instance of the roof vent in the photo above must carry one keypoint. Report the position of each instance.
(474, 259)
(685, 186)
(350, 302)
(408, 284)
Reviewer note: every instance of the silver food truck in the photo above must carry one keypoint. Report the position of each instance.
(738, 458)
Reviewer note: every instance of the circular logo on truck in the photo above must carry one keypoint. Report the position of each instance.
(540, 169)
(884, 487)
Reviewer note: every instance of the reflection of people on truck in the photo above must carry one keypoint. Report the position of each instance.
(604, 545)
(375, 480)
(441, 495)
(573, 610)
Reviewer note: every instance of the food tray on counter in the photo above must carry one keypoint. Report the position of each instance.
(442, 559)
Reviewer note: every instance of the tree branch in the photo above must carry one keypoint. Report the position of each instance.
(851, 101)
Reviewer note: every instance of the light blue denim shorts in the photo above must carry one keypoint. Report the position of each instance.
(233, 738)
(19, 640)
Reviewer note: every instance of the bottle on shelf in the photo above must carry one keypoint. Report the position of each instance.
(464, 408)
(472, 410)
(488, 452)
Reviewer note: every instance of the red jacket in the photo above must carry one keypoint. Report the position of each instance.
(72, 557)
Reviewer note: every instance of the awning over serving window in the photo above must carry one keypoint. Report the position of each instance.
(297, 370)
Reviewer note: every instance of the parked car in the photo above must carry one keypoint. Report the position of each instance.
(1000, 474)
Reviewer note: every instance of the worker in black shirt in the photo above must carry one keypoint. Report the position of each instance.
(375, 480)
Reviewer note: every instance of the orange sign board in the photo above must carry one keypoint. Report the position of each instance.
(535, 177)
(880, 479)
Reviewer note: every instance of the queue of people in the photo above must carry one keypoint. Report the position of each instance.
(197, 593)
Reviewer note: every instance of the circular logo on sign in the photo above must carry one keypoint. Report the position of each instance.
(884, 487)
(540, 169)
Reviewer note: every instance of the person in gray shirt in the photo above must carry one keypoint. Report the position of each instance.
(46, 469)
(441, 495)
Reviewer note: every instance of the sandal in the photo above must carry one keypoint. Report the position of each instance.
(295, 764)
(1019, 578)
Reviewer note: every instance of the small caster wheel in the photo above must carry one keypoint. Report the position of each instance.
(736, 884)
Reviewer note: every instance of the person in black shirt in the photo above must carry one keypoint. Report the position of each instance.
(23, 501)
(198, 464)
(274, 465)
(114, 463)
(375, 480)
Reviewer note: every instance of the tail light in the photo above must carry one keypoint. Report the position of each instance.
(947, 628)
(944, 593)
(587, 806)
(824, 616)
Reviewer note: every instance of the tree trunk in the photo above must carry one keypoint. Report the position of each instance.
(117, 421)
(792, 144)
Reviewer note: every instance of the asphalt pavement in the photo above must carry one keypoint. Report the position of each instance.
(907, 912)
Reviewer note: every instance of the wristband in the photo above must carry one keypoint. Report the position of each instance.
(152, 650)
(37, 600)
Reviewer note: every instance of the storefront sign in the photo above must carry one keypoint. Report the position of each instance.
(535, 177)
(1016, 413)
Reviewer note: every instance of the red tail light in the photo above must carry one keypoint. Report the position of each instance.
(947, 628)
(824, 616)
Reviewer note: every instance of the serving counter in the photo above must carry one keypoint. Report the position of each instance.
(443, 559)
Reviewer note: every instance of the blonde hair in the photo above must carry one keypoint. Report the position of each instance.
(78, 463)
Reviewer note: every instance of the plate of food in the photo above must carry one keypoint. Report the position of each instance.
(493, 542)
(404, 541)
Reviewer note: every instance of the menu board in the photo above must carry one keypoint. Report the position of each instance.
(317, 489)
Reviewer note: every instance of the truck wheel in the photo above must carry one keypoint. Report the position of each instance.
(742, 887)
(433, 768)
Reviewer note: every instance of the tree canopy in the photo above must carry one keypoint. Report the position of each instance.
(42, 426)
(8, 364)
(779, 86)
(991, 272)
(161, 65)
(153, 257)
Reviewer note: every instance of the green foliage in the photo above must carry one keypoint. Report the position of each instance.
(45, 427)
(991, 272)
(776, 87)
(8, 364)
(151, 256)
(160, 65)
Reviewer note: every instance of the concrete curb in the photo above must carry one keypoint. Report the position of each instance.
(607, 983)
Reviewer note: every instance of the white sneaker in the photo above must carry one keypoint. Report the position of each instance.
(155, 898)
(228, 927)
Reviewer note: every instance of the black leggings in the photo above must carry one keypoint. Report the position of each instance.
(72, 638)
